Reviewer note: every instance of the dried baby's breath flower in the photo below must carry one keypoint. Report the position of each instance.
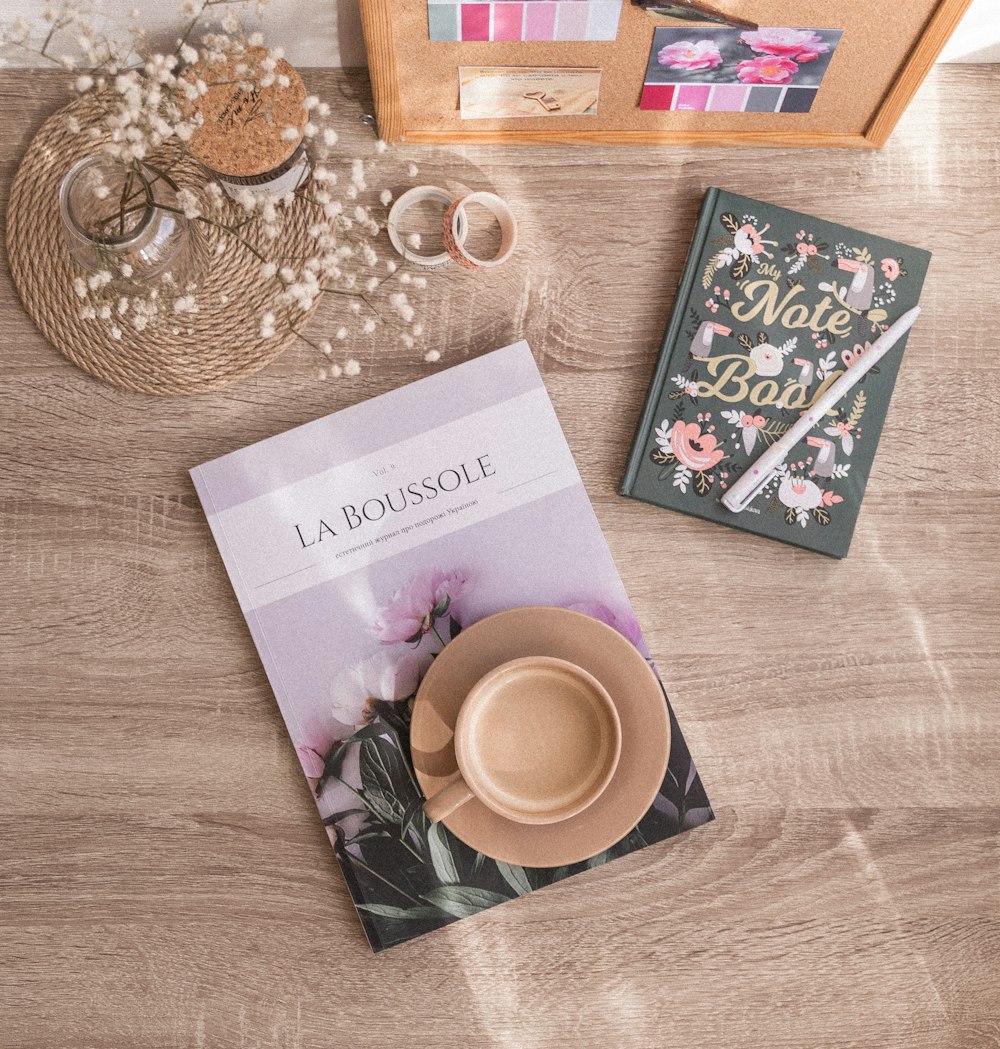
(149, 111)
(399, 302)
(189, 204)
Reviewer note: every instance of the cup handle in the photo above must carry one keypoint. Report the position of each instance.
(455, 792)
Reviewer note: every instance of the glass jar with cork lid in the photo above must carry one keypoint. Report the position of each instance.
(251, 136)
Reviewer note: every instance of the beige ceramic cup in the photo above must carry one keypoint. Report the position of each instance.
(537, 740)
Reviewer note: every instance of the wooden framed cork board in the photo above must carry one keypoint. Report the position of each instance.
(870, 70)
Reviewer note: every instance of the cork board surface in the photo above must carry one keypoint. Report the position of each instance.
(242, 130)
(879, 36)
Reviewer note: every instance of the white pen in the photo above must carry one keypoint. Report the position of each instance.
(762, 471)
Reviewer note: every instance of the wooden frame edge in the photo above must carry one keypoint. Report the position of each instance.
(939, 27)
(774, 139)
(376, 24)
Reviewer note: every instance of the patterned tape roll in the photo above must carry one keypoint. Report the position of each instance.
(418, 195)
(455, 223)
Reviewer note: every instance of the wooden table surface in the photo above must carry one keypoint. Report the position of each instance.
(164, 880)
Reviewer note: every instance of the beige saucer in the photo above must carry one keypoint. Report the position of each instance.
(617, 665)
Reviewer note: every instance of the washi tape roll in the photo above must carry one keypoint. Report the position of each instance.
(455, 221)
(418, 195)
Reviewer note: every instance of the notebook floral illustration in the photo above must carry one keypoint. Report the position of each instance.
(359, 546)
(773, 306)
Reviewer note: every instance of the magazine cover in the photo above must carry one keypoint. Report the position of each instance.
(363, 543)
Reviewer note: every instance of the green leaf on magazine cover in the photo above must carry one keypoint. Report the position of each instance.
(335, 757)
(336, 817)
(381, 774)
(386, 910)
(463, 900)
(381, 807)
(696, 817)
(372, 834)
(381, 766)
(372, 731)
(392, 719)
(514, 877)
(441, 857)
(414, 812)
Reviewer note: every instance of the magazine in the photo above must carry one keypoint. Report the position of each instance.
(359, 546)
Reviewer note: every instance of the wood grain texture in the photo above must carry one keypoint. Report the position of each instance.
(921, 58)
(164, 880)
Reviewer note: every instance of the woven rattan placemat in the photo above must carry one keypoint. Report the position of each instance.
(203, 351)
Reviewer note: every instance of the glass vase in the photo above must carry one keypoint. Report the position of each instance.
(125, 220)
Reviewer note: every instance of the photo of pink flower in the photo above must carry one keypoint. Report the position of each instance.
(802, 45)
(417, 604)
(685, 54)
(766, 69)
(773, 69)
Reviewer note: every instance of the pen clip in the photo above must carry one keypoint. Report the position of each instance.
(738, 506)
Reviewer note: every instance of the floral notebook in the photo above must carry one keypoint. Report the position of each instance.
(772, 307)
(359, 545)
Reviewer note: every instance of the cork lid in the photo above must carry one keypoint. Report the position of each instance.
(242, 130)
